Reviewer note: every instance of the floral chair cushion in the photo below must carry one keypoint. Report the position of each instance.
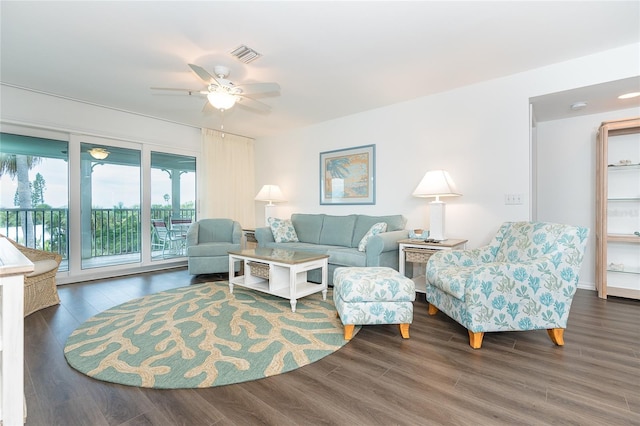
(524, 241)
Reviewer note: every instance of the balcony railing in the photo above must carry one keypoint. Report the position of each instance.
(114, 232)
(42, 229)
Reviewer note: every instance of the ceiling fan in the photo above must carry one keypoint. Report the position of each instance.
(223, 94)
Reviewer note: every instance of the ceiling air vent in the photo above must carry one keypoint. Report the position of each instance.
(245, 54)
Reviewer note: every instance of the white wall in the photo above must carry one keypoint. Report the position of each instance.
(566, 182)
(479, 133)
(19, 106)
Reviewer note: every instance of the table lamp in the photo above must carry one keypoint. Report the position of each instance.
(270, 194)
(436, 183)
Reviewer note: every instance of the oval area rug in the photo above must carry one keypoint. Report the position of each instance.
(202, 336)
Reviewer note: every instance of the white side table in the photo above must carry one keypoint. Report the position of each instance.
(250, 241)
(418, 252)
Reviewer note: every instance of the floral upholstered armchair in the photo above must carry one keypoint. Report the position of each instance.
(525, 279)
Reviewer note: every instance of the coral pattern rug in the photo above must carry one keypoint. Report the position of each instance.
(202, 336)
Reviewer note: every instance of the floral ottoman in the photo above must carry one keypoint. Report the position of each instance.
(373, 295)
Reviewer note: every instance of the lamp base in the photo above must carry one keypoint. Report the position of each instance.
(436, 221)
(268, 212)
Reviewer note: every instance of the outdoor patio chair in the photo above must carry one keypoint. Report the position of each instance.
(167, 240)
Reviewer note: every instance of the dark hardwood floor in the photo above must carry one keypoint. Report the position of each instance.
(376, 379)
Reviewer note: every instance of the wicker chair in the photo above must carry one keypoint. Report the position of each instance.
(40, 289)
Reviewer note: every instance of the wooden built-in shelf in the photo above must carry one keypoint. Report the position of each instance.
(621, 249)
(623, 238)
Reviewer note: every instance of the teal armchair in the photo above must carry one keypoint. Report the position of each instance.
(208, 243)
(525, 279)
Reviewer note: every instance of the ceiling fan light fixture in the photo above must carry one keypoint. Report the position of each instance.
(221, 100)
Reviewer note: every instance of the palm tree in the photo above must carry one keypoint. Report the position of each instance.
(18, 166)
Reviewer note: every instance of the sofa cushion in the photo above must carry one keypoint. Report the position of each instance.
(308, 227)
(364, 223)
(299, 246)
(343, 256)
(283, 230)
(375, 229)
(374, 284)
(337, 230)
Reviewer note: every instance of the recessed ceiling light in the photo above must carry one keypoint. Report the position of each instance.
(629, 95)
(576, 106)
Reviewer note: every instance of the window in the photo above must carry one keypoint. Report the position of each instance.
(93, 200)
(35, 192)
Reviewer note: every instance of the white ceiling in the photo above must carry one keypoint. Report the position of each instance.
(331, 59)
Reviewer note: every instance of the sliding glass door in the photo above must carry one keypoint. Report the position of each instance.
(99, 202)
(109, 205)
(173, 192)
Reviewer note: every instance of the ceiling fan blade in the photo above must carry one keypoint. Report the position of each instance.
(253, 104)
(204, 75)
(174, 89)
(256, 88)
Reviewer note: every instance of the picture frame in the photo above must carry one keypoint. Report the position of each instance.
(347, 176)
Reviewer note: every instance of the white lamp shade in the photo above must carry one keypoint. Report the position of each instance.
(271, 194)
(436, 183)
(221, 99)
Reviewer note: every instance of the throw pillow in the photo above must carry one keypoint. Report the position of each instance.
(377, 228)
(282, 230)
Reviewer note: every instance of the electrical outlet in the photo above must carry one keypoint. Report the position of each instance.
(513, 199)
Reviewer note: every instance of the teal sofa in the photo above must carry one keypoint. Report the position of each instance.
(208, 243)
(339, 236)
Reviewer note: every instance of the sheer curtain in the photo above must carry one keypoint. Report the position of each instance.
(228, 177)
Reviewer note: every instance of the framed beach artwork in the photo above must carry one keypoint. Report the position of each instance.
(347, 176)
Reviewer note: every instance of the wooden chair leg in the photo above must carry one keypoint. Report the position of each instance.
(475, 339)
(432, 309)
(404, 331)
(556, 335)
(348, 331)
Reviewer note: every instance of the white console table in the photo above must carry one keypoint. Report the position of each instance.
(13, 266)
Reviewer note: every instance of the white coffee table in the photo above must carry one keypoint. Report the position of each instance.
(282, 273)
